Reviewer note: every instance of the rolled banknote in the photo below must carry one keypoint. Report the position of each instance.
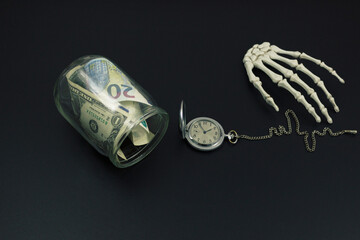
(107, 105)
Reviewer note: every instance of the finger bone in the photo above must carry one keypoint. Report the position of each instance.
(276, 49)
(321, 64)
(274, 77)
(300, 98)
(281, 82)
(258, 85)
(311, 92)
(319, 83)
(295, 78)
(291, 62)
(286, 72)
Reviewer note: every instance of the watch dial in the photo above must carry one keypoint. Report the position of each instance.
(204, 132)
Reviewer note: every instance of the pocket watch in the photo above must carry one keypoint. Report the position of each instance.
(206, 134)
(202, 133)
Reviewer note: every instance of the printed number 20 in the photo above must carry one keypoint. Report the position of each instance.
(114, 91)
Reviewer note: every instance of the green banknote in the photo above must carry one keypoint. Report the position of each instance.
(107, 104)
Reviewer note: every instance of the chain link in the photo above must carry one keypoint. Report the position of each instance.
(281, 130)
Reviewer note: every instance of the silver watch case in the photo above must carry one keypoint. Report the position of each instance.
(200, 146)
(184, 129)
(182, 119)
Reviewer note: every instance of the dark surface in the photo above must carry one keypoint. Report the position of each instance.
(54, 185)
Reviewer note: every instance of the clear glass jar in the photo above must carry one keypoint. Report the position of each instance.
(110, 110)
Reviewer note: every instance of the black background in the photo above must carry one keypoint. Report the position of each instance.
(54, 185)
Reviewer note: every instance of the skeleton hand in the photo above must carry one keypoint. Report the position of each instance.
(265, 53)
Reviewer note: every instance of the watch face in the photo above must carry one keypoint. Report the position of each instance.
(204, 133)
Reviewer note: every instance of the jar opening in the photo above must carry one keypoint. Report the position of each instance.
(142, 137)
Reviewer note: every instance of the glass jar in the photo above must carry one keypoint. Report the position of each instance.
(110, 110)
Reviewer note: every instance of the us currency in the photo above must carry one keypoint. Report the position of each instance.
(105, 112)
(140, 134)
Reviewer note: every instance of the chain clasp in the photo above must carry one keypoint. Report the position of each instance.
(232, 136)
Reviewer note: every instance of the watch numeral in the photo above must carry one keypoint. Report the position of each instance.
(204, 123)
(216, 133)
(194, 136)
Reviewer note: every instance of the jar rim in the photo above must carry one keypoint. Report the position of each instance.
(141, 154)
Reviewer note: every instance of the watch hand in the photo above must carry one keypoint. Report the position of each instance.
(209, 130)
(202, 128)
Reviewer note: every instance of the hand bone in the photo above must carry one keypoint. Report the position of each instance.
(264, 54)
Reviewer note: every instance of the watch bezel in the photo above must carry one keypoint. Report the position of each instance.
(202, 147)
